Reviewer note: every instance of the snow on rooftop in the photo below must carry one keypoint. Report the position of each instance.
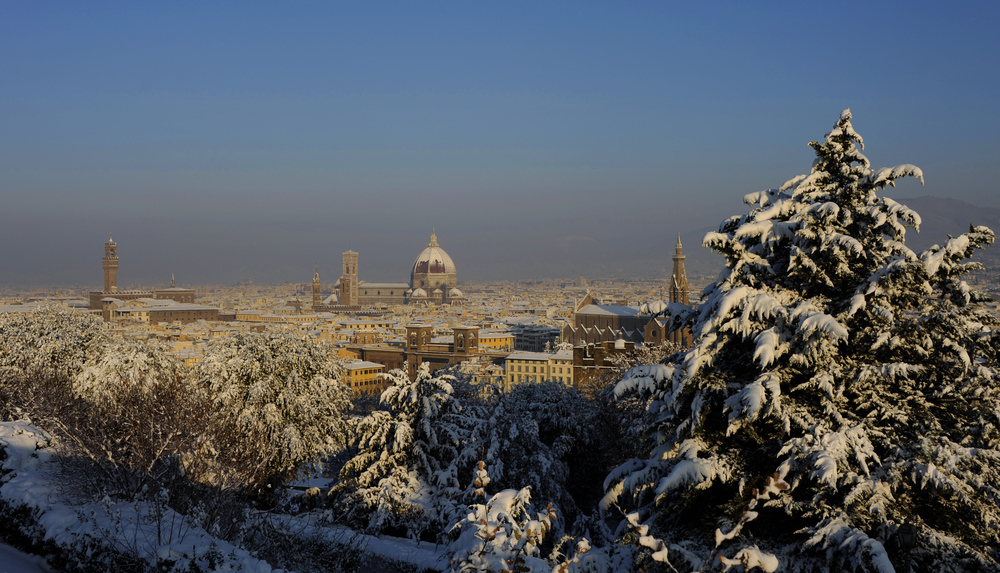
(609, 310)
(359, 364)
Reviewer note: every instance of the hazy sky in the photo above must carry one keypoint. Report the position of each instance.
(223, 141)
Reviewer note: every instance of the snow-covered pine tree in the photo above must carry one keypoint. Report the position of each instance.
(547, 437)
(279, 403)
(862, 373)
(405, 475)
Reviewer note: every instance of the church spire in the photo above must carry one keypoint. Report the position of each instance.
(316, 274)
(434, 239)
(680, 292)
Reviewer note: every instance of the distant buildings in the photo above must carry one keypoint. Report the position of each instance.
(110, 300)
(600, 323)
(364, 377)
(433, 279)
(515, 338)
(534, 367)
(421, 346)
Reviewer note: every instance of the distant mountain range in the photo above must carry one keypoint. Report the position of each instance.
(939, 216)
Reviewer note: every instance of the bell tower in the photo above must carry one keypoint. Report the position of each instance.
(349, 280)
(680, 292)
(110, 264)
(317, 290)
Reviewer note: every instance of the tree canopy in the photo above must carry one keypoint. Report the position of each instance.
(862, 373)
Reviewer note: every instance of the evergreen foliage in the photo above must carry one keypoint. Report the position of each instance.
(405, 475)
(278, 404)
(547, 437)
(863, 373)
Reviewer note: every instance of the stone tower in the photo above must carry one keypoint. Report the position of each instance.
(317, 290)
(680, 292)
(349, 280)
(110, 264)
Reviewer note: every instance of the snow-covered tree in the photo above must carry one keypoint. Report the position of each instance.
(40, 351)
(501, 536)
(549, 438)
(864, 374)
(122, 367)
(279, 403)
(134, 411)
(406, 471)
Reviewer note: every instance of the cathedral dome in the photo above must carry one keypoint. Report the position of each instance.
(433, 267)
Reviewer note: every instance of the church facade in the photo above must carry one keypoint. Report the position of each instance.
(595, 324)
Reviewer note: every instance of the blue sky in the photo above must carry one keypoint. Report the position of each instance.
(541, 139)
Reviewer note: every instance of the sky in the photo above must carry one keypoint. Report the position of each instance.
(225, 141)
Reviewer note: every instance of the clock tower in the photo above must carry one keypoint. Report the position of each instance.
(110, 264)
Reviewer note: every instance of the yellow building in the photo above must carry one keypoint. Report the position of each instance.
(155, 311)
(363, 377)
(496, 340)
(522, 367)
(366, 324)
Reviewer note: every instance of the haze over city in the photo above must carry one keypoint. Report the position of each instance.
(229, 141)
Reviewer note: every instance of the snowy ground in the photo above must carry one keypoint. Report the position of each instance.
(31, 482)
(14, 561)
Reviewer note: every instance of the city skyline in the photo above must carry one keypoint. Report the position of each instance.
(219, 143)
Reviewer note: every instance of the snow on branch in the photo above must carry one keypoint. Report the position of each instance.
(888, 175)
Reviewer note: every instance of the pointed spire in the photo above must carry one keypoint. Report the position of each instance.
(110, 240)
(434, 239)
(316, 274)
(679, 289)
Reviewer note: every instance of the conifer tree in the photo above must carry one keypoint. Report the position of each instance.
(860, 372)
(405, 473)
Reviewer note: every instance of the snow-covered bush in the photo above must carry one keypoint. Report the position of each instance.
(405, 475)
(828, 351)
(501, 536)
(278, 404)
(97, 534)
(135, 416)
(40, 351)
